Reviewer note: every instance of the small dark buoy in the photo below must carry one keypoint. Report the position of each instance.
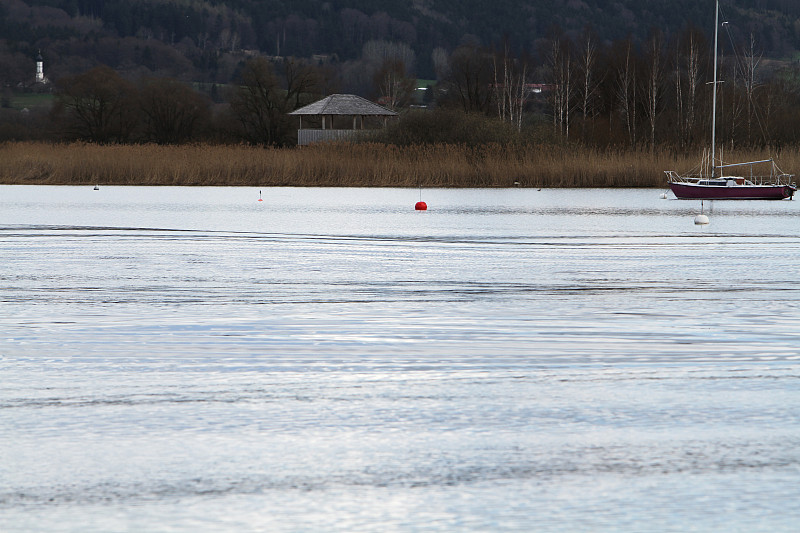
(259, 197)
(97, 187)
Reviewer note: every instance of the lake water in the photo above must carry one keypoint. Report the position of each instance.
(192, 359)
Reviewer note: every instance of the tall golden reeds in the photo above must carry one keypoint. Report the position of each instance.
(352, 165)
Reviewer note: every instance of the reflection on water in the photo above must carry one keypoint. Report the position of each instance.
(184, 359)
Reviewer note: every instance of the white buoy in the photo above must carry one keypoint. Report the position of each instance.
(663, 196)
(701, 219)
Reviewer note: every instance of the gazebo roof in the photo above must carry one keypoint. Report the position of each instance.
(344, 104)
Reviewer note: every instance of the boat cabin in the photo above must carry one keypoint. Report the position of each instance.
(728, 181)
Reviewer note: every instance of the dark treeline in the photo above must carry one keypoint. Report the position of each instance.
(659, 92)
(101, 106)
(205, 40)
(623, 94)
(581, 90)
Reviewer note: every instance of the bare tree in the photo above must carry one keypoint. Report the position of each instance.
(510, 86)
(561, 95)
(654, 82)
(228, 39)
(748, 65)
(441, 63)
(172, 111)
(394, 86)
(97, 105)
(470, 78)
(301, 78)
(589, 81)
(688, 72)
(626, 89)
(259, 104)
(376, 52)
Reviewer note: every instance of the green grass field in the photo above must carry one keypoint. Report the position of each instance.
(31, 101)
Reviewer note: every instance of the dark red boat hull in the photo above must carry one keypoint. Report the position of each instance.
(688, 191)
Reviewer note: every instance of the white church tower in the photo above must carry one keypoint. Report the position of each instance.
(40, 68)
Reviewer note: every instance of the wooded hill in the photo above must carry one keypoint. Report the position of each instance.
(197, 40)
(635, 77)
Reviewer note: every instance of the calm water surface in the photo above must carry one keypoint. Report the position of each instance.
(192, 359)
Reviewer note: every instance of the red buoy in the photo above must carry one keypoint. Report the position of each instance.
(420, 206)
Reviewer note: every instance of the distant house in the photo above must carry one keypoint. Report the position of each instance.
(334, 111)
(539, 87)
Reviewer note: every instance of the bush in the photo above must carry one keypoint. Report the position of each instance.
(449, 127)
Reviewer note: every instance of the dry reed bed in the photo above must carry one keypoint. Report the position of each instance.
(361, 165)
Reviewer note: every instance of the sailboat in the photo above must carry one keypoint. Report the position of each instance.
(710, 182)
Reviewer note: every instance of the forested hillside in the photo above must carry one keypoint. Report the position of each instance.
(630, 73)
(206, 40)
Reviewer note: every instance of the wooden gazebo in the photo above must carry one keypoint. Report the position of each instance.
(338, 105)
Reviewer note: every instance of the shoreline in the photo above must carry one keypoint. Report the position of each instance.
(348, 165)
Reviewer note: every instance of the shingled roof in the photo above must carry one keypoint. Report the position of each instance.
(344, 104)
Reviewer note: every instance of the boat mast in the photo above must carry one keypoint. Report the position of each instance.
(714, 99)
